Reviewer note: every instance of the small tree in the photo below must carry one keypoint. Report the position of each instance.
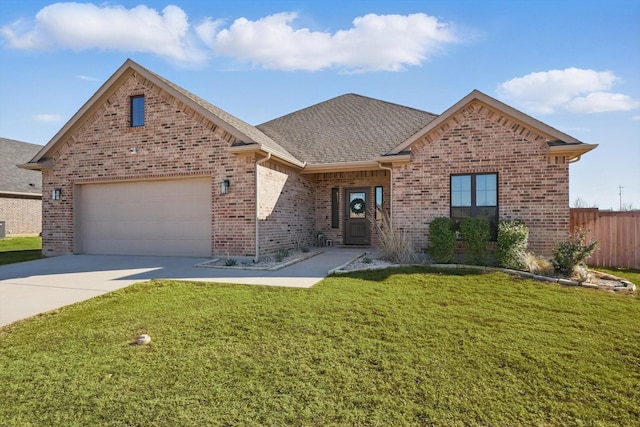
(442, 239)
(511, 248)
(567, 255)
(476, 234)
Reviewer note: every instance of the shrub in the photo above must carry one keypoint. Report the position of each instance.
(304, 249)
(573, 252)
(367, 260)
(442, 240)
(281, 254)
(395, 245)
(230, 262)
(511, 248)
(475, 232)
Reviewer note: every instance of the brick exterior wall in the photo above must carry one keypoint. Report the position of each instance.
(22, 215)
(532, 186)
(178, 142)
(365, 179)
(286, 215)
(174, 142)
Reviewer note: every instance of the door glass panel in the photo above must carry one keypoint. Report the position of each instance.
(378, 203)
(357, 205)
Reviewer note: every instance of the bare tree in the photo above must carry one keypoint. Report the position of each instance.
(581, 203)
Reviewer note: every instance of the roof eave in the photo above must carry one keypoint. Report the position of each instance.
(41, 165)
(21, 193)
(259, 148)
(394, 160)
(572, 152)
(341, 167)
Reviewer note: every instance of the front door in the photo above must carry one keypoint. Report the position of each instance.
(356, 220)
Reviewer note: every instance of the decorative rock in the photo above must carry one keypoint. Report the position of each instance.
(567, 282)
(143, 339)
(544, 278)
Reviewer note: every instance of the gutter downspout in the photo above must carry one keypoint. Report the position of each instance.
(390, 169)
(257, 198)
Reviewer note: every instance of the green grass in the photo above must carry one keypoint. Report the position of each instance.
(380, 348)
(19, 249)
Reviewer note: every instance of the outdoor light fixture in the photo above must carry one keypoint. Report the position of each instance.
(224, 186)
(55, 193)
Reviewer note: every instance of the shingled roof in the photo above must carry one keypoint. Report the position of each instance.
(14, 180)
(347, 128)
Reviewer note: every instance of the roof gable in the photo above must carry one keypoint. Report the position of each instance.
(14, 180)
(240, 130)
(557, 141)
(347, 128)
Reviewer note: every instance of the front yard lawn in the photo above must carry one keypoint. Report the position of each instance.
(390, 347)
(18, 249)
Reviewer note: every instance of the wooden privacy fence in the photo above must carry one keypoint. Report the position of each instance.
(618, 233)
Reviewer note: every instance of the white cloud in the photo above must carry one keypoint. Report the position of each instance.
(572, 90)
(87, 26)
(48, 118)
(599, 102)
(88, 78)
(374, 43)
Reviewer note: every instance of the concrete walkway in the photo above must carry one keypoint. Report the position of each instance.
(34, 287)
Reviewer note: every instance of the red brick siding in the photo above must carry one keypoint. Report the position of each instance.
(22, 215)
(326, 181)
(234, 213)
(175, 142)
(286, 208)
(531, 186)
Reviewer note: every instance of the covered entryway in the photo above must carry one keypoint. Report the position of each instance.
(357, 228)
(161, 217)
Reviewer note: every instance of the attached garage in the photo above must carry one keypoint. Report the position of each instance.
(161, 217)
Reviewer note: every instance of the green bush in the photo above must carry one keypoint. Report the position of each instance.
(573, 252)
(230, 262)
(511, 248)
(475, 232)
(281, 254)
(443, 240)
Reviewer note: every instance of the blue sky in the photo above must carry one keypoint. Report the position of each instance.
(574, 65)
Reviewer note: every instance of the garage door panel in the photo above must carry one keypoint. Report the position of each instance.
(146, 218)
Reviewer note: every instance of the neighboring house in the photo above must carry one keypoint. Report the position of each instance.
(20, 189)
(145, 167)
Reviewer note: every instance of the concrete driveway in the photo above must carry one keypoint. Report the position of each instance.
(34, 287)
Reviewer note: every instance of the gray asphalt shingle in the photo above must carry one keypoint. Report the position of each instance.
(12, 178)
(347, 128)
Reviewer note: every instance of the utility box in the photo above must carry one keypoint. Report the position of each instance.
(2, 229)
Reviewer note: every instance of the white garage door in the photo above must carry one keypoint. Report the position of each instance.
(146, 218)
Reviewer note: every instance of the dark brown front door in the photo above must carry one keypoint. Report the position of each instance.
(356, 228)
